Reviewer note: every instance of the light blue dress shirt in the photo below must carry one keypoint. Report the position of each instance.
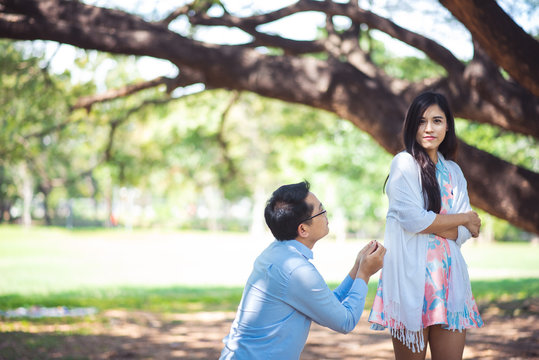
(282, 296)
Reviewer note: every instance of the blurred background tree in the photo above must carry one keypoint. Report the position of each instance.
(144, 154)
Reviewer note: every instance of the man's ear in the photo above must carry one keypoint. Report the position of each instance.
(303, 230)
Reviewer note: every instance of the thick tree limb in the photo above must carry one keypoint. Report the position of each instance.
(505, 42)
(494, 190)
(290, 47)
(493, 98)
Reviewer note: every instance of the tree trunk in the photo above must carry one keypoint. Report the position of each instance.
(26, 186)
(48, 217)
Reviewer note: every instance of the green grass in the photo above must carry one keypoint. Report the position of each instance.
(136, 270)
(43, 261)
(168, 299)
(500, 260)
(489, 291)
(505, 289)
(189, 299)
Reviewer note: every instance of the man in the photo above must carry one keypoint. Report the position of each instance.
(285, 292)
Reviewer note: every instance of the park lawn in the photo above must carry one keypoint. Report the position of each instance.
(99, 268)
(180, 299)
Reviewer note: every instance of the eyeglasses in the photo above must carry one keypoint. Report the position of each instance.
(312, 217)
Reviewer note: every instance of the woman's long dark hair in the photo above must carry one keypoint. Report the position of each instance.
(448, 147)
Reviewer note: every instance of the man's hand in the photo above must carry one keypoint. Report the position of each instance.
(371, 261)
(370, 247)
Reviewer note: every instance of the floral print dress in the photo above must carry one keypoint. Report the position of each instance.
(437, 276)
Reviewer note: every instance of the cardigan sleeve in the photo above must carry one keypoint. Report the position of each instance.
(461, 202)
(406, 203)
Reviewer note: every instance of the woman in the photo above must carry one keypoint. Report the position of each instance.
(424, 294)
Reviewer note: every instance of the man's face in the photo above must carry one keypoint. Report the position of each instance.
(319, 223)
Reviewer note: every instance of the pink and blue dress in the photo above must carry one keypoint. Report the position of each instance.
(437, 274)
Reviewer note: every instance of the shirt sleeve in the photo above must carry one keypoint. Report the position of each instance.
(344, 287)
(405, 195)
(310, 295)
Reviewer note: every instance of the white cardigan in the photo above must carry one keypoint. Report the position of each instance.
(405, 260)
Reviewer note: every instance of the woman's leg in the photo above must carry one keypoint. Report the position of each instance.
(446, 344)
(402, 352)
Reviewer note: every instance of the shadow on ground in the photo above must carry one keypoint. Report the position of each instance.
(118, 334)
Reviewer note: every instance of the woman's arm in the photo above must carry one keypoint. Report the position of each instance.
(461, 201)
(446, 225)
(449, 234)
(461, 205)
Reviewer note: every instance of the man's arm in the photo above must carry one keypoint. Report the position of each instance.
(310, 295)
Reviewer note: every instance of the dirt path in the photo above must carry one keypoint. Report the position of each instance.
(140, 335)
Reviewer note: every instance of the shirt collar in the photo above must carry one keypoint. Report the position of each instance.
(303, 250)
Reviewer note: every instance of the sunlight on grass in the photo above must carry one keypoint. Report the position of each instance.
(41, 261)
(169, 271)
(169, 299)
(502, 260)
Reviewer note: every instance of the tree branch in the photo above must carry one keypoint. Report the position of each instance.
(491, 192)
(223, 143)
(496, 97)
(187, 77)
(504, 41)
(431, 48)
(114, 124)
(175, 14)
(87, 101)
(260, 38)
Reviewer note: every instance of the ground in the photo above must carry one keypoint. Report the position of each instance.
(119, 334)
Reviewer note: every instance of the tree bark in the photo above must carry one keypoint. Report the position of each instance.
(503, 182)
(504, 41)
(366, 99)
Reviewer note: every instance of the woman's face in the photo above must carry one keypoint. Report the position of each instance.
(432, 129)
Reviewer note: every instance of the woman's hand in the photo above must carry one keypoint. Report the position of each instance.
(473, 223)
(446, 225)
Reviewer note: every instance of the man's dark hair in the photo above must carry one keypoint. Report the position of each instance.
(286, 208)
